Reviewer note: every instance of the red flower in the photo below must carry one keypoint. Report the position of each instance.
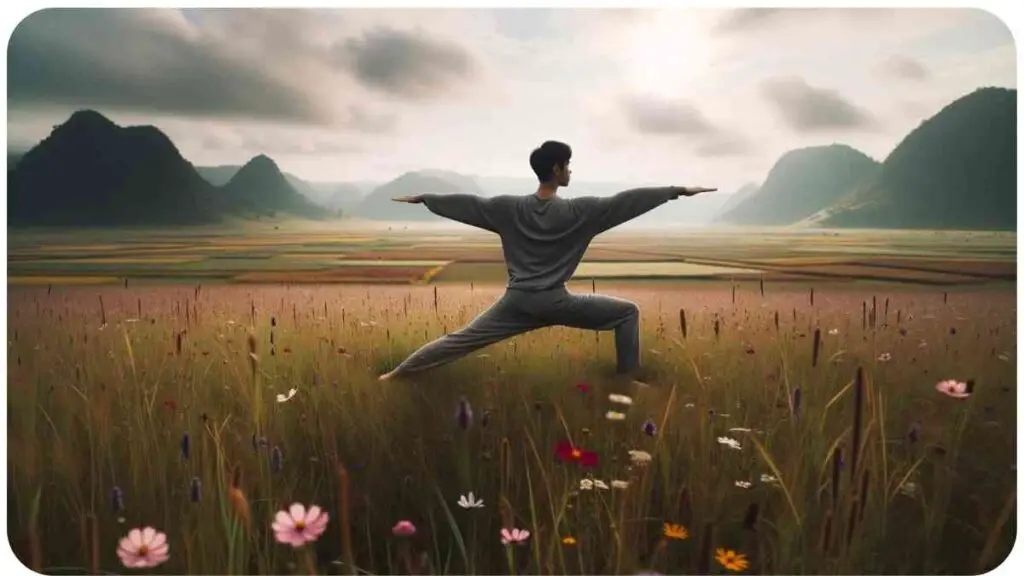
(170, 405)
(583, 387)
(568, 453)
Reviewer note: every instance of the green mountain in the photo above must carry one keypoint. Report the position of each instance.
(92, 172)
(801, 183)
(334, 196)
(378, 204)
(260, 189)
(958, 170)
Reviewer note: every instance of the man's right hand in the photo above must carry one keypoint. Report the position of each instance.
(409, 199)
(694, 190)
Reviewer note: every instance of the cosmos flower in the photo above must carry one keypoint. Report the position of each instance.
(566, 452)
(743, 484)
(675, 531)
(600, 485)
(620, 484)
(640, 457)
(953, 389)
(284, 398)
(884, 357)
(298, 526)
(730, 560)
(143, 548)
(403, 528)
(470, 501)
(514, 536)
(586, 484)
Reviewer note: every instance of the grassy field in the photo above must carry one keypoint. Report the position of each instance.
(149, 406)
(201, 382)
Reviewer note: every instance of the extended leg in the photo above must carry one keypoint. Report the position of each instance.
(499, 322)
(597, 312)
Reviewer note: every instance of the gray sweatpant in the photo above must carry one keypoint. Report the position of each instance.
(518, 311)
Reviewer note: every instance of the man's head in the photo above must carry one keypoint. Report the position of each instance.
(551, 163)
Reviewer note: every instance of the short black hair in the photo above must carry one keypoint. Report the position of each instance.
(550, 154)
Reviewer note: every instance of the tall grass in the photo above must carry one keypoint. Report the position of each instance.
(100, 397)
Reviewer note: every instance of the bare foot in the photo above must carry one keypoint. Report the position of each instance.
(387, 376)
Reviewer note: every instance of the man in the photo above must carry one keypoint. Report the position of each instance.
(543, 238)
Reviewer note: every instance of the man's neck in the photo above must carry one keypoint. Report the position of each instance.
(545, 191)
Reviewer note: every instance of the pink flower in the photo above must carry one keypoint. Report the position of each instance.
(403, 528)
(297, 526)
(953, 389)
(515, 536)
(143, 548)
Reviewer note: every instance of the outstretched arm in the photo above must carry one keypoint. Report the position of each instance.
(605, 213)
(466, 208)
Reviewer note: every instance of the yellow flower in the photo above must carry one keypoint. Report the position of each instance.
(731, 560)
(676, 531)
(569, 541)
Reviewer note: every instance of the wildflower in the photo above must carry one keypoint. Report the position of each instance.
(908, 488)
(586, 484)
(689, 405)
(730, 560)
(613, 415)
(739, 429)
(117, 499)
(185, 446)
(569, 453)
(276, 460)
(600, 484)
(731, 443)
(620, 484)
(403, 528)
(639, 457)
(569, 541)
(583, 387)
(514, 536)
(470, 501)
(675, 531)
(143, 548)
(464, 415)
(195, 489)
(884, 357)
(953, 389)
(743, 484)
(650, 428)
(297, 526)
(284, 398)
(833, 331)
(620, 399)
(768, 479)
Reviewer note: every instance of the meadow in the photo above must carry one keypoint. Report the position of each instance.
(794, 425)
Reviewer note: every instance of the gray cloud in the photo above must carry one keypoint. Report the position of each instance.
(408, 65)
(746, 18)
(134, 61)
(905, 68)
(662, 117)
(721, 145)
(751, 19)
(808, 109)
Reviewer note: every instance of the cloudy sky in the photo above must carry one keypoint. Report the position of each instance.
(672, 96)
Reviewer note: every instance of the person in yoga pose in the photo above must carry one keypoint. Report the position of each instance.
(543, 238)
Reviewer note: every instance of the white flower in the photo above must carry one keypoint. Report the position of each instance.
(586, 484)
(620, 484)
(689, 405)
(283, 398)
(884, 357)
(734, 444)
(470, 501)
(768, 479)
(740, 430)
(613, 415)
(600, 484)
(620, 399)
(743, 484)
(639, 457)
(908, 488)
(834, 331)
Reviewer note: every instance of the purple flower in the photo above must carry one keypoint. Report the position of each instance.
(650, 428)
(276, 460)
(464, 416)
(195, 490)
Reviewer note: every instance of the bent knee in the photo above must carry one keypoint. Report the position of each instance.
(630, 309)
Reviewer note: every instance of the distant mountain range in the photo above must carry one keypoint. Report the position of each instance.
(956, 170)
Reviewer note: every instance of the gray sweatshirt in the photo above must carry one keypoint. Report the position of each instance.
(544, 239)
